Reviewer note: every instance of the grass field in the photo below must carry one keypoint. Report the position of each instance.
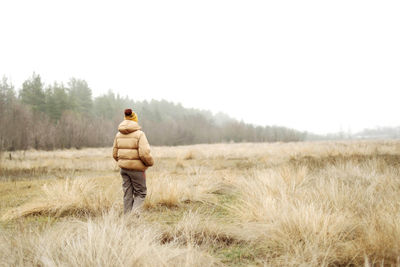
(308, 204)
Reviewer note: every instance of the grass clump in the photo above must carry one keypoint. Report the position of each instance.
(72, 197)
(109, 240)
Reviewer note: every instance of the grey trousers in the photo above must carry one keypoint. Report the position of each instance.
(134, 187)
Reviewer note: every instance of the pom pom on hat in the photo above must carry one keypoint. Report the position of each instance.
(128, 112)
(130, 115)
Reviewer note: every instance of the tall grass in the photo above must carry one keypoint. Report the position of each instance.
(109, 240)
(74, 197)
(82, 197)
(173, 191)
(308, 204)
(339, 215)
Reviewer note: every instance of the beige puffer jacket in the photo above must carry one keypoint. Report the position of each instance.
(131, 149)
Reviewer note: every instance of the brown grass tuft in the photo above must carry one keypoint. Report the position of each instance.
(172, 191)
(74, 197)
(109, 240)
(337, 216)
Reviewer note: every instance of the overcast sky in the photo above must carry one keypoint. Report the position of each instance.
(317, 65)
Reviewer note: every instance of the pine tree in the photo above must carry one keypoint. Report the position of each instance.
(57, 101)
(80, 96)
(32, 93)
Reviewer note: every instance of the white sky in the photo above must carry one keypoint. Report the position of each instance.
(316, 65)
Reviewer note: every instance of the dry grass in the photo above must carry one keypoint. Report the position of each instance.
(110, 240)
(88, 196)
(195, 187)
(309, 204)
(342, 214)
(67, 198)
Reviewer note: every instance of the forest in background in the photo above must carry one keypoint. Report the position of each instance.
(58, 116)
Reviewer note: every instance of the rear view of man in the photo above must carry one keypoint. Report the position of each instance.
(132, 152)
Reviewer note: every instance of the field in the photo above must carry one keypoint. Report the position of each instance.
(303, 204)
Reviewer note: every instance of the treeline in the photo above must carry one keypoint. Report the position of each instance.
(379, 133)
(66, 115)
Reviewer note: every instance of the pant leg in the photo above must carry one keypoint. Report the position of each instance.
(127, 187)
(138, 180)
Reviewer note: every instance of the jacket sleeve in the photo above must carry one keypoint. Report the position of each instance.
(144, 151)
(115, 149)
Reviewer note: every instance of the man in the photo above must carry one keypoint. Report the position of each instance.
(132, 152)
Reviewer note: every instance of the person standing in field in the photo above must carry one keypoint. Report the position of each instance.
(132, 152)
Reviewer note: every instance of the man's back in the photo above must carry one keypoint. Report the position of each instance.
(131, 148)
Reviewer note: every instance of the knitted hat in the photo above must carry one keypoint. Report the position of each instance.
(130, 115)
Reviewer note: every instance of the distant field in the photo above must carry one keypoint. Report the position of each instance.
(310, 204)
